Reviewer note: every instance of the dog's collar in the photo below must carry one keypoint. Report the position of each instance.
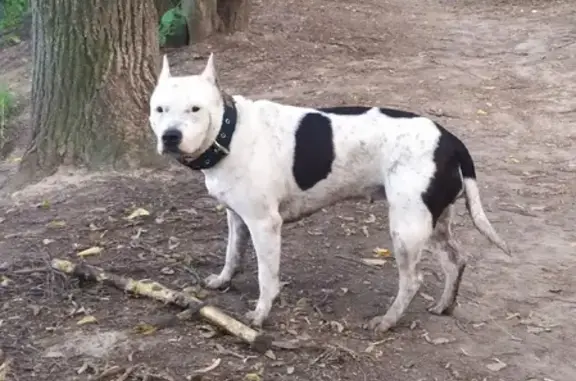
(221, 146)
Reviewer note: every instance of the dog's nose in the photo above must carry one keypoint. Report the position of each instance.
(172, 137)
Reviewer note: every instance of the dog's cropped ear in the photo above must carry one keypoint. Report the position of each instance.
(165, 71)
(209, 72)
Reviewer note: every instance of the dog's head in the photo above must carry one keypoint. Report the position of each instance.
(186, 111)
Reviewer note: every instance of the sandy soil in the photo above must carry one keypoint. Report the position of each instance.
(499, 74)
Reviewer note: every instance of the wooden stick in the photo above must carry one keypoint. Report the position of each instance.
(157, 291)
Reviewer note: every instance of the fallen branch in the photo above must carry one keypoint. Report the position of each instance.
(161, 293)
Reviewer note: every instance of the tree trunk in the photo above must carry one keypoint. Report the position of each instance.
(206, 17)
(234, 15)
(162, 6)
(202, 18)
(95, 64)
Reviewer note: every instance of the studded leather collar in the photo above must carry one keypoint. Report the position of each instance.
(221, 146)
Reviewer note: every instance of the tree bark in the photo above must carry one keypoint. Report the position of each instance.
(94, 66)
(207, 17)
(234, 15)
(202, 18)
(162, 6)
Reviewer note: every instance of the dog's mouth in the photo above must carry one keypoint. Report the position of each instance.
(171, 151)
(178, 155)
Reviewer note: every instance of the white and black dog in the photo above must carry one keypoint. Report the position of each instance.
(270, 163)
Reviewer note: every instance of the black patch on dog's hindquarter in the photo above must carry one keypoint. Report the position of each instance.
(446, 182)
(313, 151)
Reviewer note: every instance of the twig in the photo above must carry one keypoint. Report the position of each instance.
(126, 374)
(30, 270)
(109, 372)
(354, 260)
(515, 338)
(157, 291)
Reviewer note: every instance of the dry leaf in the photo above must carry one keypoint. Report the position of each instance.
(427, 297)
(207, 331)
(145, 329)
(287, 344)
(252, 377)
(337, 326)
(440, 340)
(371, 219)
(5, 281)
(270, 354)
(437, 341)
(370, 348)
(35, 309)
(83, 368)
(210, 367)
(382, 252)
(139, 212)
(496, 366)
(374, 261)
(56, 224)
(91, 251)
(173, 243)
(537, 330)
(4, 368)
(87, 320)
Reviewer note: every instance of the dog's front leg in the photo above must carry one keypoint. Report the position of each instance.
(266, 236)
(238, 235)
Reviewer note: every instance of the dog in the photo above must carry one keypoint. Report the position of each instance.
(271, 164)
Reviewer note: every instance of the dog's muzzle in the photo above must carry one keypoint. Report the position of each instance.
(171, 139)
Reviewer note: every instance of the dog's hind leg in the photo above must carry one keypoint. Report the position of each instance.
(410, 228)
(238, 236)
(452, 263)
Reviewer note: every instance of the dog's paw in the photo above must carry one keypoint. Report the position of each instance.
(255, 318)
(440, 309)
(380, 324)
(215, 281)
(436, 309)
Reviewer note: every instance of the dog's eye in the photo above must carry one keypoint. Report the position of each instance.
(159, 109)
(195, 109)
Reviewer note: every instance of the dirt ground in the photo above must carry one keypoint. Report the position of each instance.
(500, 74)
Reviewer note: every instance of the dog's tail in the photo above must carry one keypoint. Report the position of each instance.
(473, 203)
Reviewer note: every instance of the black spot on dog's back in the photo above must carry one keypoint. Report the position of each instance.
(447, 182)
(313, 151)
(345, 110)
(392, 113)
(359, 110)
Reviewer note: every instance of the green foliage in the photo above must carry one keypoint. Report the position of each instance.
(172, 23)
(7, 106)
(12, 13)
